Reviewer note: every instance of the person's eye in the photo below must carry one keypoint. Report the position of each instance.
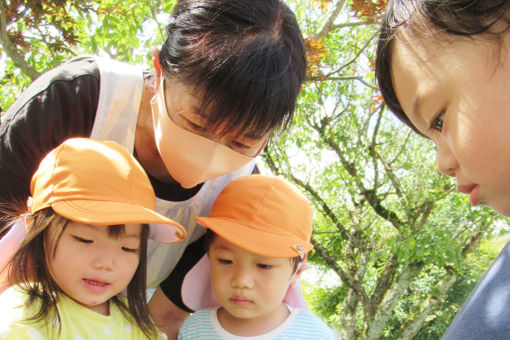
(130, 250)
(264, 266)
(224, 261)
(82, 240)
(437, 123)
(195, 127)
(239, 146)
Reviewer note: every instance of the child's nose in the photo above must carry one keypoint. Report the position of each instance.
(446, 161)
(242, 278)
(104, 259)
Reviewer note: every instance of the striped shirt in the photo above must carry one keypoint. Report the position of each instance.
(301, 324)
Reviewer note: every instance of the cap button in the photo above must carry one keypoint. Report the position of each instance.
(299, 249)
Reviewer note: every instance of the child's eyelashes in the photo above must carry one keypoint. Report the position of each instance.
(264, 266)
(437, 122)
(89, 241)
(224, 261)
(82, 240)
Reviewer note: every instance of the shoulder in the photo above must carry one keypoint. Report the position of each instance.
(198, 325)
(307, 323)
(198, 317)
(79, 73)
(13, 315)
(65, 89)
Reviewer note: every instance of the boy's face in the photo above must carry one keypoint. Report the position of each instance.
(91, 266)
(456, 92)
(248, 286)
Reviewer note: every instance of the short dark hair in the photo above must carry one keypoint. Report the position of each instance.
(456, 17)
(32, 273)
(246, 59)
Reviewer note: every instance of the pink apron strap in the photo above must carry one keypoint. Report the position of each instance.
(9, 244)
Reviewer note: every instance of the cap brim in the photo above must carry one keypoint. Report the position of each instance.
(256, 240)
(162, 228)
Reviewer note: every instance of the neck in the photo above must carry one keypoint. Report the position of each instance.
(253, 326)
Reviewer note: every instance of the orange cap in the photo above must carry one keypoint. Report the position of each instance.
(99, 183)
(265, 215)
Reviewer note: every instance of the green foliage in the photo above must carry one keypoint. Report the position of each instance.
(387, 223)
(46, 34)
(401, 242)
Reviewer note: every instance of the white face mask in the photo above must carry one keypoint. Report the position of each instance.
(189, 158)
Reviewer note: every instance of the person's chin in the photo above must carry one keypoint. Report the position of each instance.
(503, 209)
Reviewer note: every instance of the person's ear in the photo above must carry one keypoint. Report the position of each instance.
(157, 65)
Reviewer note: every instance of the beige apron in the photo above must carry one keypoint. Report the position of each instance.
(119, 100)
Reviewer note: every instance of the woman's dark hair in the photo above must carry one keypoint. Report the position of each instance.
(457, 17)
(245, 58)
(31, 271)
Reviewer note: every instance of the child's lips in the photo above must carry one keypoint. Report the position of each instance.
(472, 191)
(240, 300)
(96, 284)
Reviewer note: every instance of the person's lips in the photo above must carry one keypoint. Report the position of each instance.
(240, 300)
(473, 192)
(96, 285)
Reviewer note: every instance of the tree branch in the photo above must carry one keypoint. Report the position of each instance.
(346, 278)
(390, 300)
(329, 24)
(417, 318)
(10, 48)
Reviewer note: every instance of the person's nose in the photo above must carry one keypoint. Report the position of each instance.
(446, 161)
(242, 278)
(104, 258)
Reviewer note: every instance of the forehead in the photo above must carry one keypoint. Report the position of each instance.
(123, 230)
(437, 66)
(414, 73)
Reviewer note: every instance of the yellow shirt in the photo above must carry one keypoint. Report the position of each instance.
(78, 322)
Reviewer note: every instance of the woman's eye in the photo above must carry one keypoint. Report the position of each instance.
(239, 146)
(264, 266)
(437, 123)
(82, 240)
(196, 127)
(130, 250)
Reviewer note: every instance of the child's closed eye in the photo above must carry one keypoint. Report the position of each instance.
(82, 240)
(130, 250)
(264, 266)
(224, 261)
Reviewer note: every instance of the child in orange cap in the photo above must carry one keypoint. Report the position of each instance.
(85, 243)
(260, 229)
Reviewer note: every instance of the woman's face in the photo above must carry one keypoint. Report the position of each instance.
(90, 265)
(456, 91)
(192, 152)
(183, 107)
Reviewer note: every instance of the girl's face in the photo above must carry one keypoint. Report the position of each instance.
(247, 285)
(457, 93)
(91, 266)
